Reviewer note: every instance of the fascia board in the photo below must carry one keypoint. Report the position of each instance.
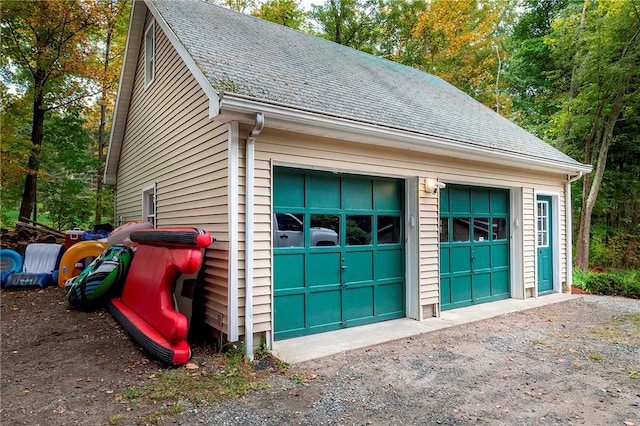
(291, 119)
(125, 89)
(211, 93)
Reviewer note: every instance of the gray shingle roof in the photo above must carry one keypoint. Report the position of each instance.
(248, 56)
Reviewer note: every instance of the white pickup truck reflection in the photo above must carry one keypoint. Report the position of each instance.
(288, 231)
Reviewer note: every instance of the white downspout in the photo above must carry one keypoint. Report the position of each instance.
(249, 204)
(568, 237)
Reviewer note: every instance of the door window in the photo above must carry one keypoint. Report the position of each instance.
(461, 232)
(358, 230)
(389, 230)
(543, 224)
(481, 229)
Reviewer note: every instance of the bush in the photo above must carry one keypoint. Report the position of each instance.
(618, 283)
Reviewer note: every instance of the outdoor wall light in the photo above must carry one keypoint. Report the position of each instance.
(431, 186)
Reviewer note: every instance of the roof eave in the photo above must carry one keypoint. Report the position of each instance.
(243, 108)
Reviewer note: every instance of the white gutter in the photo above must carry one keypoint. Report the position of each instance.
(249, 208)
(568, 219)
(242, 108)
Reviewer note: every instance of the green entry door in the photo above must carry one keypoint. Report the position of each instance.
(338, 251)
(474, 246)
(544, 239)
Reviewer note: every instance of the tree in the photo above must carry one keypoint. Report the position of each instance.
(284, 12)
(348, 22)
(15, 144)
(457, 41)
(44, 42)
(107, 44)
(239, 5)
(398, 19)
(529, 68)
(68, 168)
(604, 89)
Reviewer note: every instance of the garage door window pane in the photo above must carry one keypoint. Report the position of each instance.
(325, 230)
(289, 230)
(461, 229)
(444, 229)
(389, 229)
(359, 230)
(499, 228)
(481, 229)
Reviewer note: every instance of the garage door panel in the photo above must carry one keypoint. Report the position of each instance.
(389, 298)
(500, 202)
(444, 260)
(290, 312)
(358, 303)
(460, 288)
(459, 201)
(289, 271)
(480, 201)
(481, 258)
(323, 269)
(482, 285)
(291, 190)
(388, 195)
(359, 267)
(500, 282)
(324, 308)
(389, 264)
(461, 259)
(357, 194)
(445, 291)
(323, 192)
(500, 256)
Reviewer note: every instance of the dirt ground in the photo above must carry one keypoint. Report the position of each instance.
(576, 362)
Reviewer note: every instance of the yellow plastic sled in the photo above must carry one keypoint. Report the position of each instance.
(74, 255)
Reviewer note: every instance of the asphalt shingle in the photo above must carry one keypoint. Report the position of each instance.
(245, 55)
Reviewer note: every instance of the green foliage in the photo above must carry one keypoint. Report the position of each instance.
(619, 283)
(624, 283)
(348, 22)
(614, 248)
(283, 12)
(68, 166)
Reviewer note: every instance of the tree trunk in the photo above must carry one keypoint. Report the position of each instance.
(101, 132)
(588, 202)
(28, 203)
(338, 17)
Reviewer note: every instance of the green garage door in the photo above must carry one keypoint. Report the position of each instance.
(474, 246)
(338, 251)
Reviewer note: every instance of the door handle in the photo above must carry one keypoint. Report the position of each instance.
(343, 267)
(284, 236)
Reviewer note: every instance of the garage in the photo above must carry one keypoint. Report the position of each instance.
(474, 246)
(338, 251)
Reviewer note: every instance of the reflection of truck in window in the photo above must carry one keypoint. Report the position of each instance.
(288, 231)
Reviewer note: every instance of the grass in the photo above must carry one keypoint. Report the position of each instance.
(171, 388)
(621, 330)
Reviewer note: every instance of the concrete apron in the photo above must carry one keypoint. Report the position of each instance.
(323, 344)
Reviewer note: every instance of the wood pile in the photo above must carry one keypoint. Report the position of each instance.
(27, 232)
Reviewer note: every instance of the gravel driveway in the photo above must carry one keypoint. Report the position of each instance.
(570, 363)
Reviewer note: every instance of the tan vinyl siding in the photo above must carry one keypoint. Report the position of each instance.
(529, 240)
(171, 142)
(280, 148)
